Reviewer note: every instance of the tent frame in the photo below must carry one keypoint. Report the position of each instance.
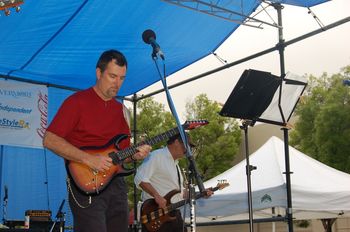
(280, 46)
(213, 9)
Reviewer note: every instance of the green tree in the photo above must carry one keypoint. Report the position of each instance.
(323, 126)
(218, 142)
(151, 120)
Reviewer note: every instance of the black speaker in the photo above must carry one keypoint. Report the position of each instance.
(20, 230)
(34, 226)
(44, 226)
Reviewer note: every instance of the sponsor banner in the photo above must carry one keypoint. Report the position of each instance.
(23, 113)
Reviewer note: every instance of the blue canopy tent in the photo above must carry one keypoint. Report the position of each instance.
(57, 43)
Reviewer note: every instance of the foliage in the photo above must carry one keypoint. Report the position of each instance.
(218, 142)
(302, 223)
(151, 120)
(323, 127)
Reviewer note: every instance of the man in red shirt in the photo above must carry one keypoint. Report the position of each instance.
(91, 118)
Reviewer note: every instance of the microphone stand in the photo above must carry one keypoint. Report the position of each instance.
(192, 165)
(59, 217)
(192, 200)
(4, 211)
(4, 206)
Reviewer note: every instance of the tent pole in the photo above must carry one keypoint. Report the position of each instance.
(136, 222)
(281, 45)
(250, 57)
(47, 180)
(4, 204)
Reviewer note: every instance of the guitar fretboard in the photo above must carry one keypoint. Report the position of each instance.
(128, 152)
(178, 204)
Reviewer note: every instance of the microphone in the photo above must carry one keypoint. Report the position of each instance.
(6, 193)
(149, 37)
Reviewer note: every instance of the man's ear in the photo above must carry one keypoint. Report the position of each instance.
(98, 73)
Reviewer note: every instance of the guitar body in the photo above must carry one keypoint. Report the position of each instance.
(152, 216)
(90, 181)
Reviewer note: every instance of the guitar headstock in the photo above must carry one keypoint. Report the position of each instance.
(222, 184)
(5, 5)
(193, 124)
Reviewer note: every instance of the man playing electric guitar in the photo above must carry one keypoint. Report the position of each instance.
(91, 118)
(159, 174)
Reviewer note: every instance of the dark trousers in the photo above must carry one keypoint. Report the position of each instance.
(108, 211)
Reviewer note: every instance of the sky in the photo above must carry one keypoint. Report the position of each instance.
(327, 52)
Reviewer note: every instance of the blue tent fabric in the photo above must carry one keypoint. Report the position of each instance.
(59, 42)
(302, 3)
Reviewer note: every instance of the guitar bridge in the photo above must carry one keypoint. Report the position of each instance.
(95, 181)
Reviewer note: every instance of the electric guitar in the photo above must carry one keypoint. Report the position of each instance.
(153, 217)
(5, 5)
(93, 182)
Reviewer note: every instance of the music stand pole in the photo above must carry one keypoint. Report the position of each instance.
(249, 168)
(289, 210)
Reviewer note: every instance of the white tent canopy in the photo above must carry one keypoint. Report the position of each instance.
(318, 191)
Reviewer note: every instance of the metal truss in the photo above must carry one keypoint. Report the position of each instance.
(220, 9)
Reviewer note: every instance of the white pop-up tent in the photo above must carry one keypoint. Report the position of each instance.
(318, 191)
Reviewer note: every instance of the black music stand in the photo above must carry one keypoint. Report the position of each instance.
(258, 96)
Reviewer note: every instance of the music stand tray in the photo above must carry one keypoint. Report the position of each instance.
(255, 97)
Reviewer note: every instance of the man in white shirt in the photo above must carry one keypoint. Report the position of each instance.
(159, 174)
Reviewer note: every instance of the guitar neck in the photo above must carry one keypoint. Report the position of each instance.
(128, 152)
(178, 204)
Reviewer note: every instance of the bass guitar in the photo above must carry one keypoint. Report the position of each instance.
(153, 217)
(93, 182)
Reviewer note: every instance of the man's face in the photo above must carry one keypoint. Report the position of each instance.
(110, 81)
(181, 148)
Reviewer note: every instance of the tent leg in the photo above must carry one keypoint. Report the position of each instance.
(136, 226)
(281, 46)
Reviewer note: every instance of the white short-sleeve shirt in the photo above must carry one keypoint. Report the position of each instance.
(159, 169)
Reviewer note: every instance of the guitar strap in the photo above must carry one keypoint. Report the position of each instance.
(178, 176)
